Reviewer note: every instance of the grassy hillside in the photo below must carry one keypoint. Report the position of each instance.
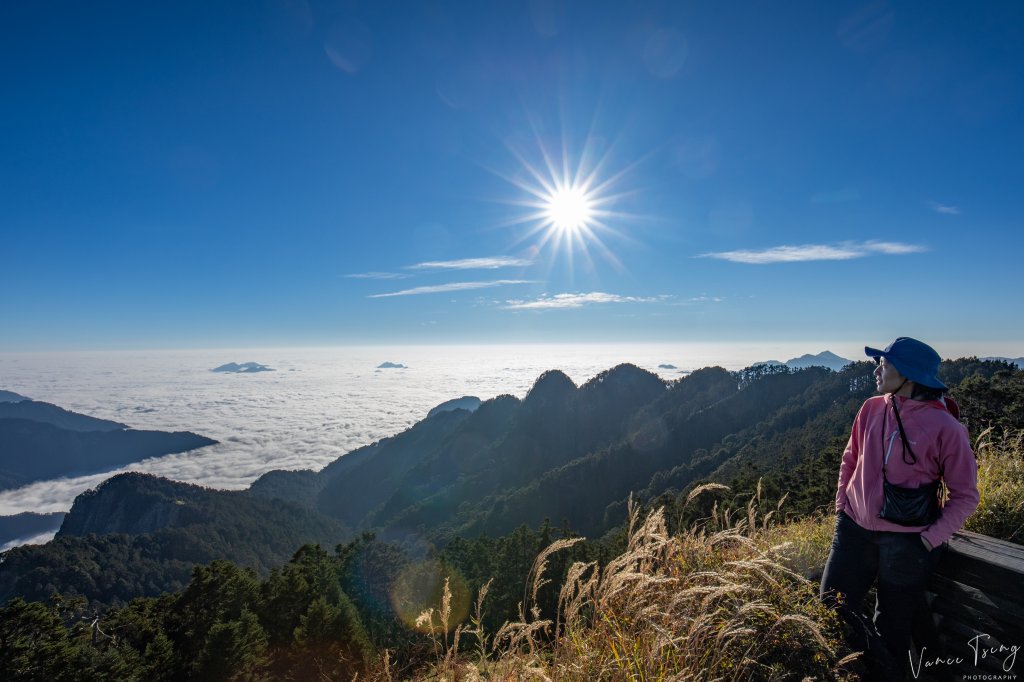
(732, 596)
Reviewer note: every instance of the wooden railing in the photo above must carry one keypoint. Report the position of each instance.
(976, 600)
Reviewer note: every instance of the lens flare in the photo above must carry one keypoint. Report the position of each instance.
(418, 596)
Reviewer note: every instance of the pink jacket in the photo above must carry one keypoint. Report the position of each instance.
(941, 445)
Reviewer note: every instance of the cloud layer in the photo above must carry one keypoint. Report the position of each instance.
(488, 263)
(575, 301)
(378, 275)
(485, 263)
(452, 286)
(815, 252)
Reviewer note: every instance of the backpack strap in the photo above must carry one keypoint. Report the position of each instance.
(951, 406)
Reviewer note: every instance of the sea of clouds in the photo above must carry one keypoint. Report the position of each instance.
(316, 406)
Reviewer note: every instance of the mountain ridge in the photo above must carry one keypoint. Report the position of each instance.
(571, 455)
(48, 413)
(33, 450)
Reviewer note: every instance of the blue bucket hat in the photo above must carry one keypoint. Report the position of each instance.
(913, 359)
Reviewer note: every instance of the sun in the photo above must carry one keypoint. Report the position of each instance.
(569, 209)
(570, 204)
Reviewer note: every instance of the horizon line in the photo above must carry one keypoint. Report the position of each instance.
(820, 345)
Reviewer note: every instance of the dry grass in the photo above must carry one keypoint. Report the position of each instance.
(731, 598)
(719, 602)
(1001, 484)
(803, 543)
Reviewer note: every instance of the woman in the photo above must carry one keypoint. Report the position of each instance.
(904, 445)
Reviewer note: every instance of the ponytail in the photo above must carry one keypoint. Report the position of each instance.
(921, 392)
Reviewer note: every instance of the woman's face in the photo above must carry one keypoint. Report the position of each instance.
(887, 379)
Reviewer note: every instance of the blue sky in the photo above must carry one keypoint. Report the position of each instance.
(297, 172)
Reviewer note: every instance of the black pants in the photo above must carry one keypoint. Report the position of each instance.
(902, 566)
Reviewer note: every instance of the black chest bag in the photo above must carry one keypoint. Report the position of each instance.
(907, 506)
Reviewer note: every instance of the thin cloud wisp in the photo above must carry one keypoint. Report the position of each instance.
(814, 252)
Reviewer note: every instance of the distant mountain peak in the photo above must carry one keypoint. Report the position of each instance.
(823, 355)
(11, 397)
(623, 375)
(825, 358)
(469, 403)
(1014, 361)
(553, 383)
(243, 368)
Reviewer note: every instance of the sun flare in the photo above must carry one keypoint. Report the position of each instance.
(571, 203)
(569, 209)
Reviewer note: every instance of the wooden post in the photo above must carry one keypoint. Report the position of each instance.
(976, 598)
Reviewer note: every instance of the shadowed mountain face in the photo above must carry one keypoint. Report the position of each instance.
(136, 504)
(56, 416)
(35, 450)
(458, 472)
(27, 525)
(466, 402)
(570, 453)
(139, 535)
(456, 455)
(39, 441)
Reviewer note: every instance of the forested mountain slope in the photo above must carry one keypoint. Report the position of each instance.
(565, 453)
(138, 535)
